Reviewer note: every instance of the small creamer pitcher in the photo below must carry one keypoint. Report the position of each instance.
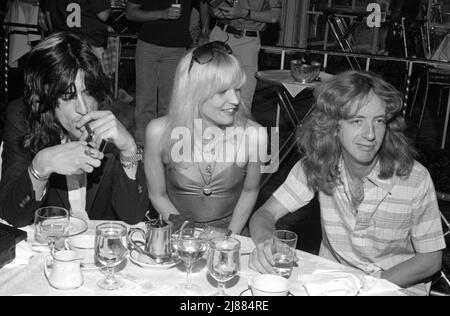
(157, 243)
(65, 273)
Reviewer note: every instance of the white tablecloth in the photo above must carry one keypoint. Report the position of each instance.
(284, 78)
(20, 278)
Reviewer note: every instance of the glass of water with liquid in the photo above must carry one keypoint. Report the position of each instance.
(283, 251)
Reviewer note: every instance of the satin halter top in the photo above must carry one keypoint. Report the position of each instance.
(189, 198)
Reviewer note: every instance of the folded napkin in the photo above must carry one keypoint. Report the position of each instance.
(332, 283)
(23, 254)
(373, 287)
(294, 89)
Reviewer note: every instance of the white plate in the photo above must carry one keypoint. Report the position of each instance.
(76, 226)
(144, 261)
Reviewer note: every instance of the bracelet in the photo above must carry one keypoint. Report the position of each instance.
(129, 162)
(130, 165)
(36, 174)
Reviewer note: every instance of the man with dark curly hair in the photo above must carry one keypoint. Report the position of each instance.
(379, 212)
(54, 152)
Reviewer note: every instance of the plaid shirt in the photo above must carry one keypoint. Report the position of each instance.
(398, 218)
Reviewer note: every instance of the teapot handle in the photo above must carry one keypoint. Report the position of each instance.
(46, 269)
(136, 245)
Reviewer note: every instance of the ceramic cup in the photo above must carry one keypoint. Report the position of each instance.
(84, 246)
(269, 285)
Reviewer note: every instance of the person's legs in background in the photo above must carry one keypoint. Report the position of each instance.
(147, 76)
(170, 58)
(246, 49)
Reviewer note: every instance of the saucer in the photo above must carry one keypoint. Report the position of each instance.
(89, 266)
(146, 262)
(76, 226)
(246, 292)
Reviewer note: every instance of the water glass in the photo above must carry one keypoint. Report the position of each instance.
(50, 223)
(223, 261)
(110, 251)
(283, 251)
(190, 244)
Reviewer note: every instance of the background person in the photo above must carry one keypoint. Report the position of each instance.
(239, 24)
(163, 39)
(86, 18)
(379, 212)
(46, 158)
(219, 191)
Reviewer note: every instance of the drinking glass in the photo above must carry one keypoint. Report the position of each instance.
(223, 261)
(50, 224)
(283, 251)
(110, 251)
(190, 244)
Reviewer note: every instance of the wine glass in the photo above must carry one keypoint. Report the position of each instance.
(110, 251)
(50, 224)
(190, 244)
(223, 261)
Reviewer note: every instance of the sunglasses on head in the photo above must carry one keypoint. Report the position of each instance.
(205, 53)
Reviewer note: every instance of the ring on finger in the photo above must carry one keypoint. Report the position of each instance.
(89, 151)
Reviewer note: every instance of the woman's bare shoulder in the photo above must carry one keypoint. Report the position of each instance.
(156, 127)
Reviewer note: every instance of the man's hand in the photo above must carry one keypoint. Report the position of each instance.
(171, 13)
(67, 159)
(261, 258)
(233, 13)
(105, 125)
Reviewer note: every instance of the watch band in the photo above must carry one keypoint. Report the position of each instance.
(132, 160)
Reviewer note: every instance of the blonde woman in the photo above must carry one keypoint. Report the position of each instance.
(201, 159)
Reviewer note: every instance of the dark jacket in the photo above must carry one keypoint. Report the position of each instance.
(110, 194)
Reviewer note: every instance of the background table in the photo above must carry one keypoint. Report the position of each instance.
(287, 88)
(30, 279)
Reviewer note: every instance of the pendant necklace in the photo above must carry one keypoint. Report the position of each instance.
(209, 171)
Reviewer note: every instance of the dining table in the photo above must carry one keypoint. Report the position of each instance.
(312, 275)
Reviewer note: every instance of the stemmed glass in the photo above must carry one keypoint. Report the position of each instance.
(110, 251)
(223, 261)
(50, 223)
(190, 244)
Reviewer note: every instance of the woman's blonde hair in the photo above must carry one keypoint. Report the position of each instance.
(196, 83)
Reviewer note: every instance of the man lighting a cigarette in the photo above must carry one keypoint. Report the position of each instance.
(53, 138)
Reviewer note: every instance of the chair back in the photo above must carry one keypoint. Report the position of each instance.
(1, 152)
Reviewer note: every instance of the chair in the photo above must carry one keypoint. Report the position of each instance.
(342, 31)
(441, 283)
(1, 152)
(435, 75)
